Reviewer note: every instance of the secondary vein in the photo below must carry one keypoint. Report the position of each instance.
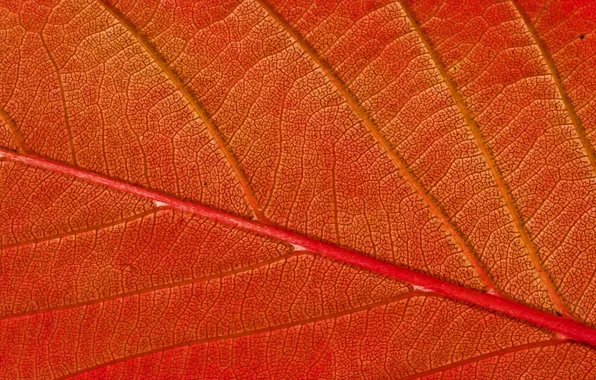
(398, 161)
(247, 333)
(16, 135)
(522, 347)
(494, 170)
(197, 108)
(62, 97)
(550, 63)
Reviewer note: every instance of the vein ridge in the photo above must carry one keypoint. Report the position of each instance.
(478, 358)
(554, 73)
(18, 138)
(566, 327)
(62, 98)
(198, 109)
(113, 223)
(494, 170)
(250, 332)
(394, 156)
(156, 287)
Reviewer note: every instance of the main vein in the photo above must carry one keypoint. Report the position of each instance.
(566, 327)
(194, 103)
(494, 170)
(398, 161)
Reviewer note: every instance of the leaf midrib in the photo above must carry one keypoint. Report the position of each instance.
(563, 326)
(89, 176)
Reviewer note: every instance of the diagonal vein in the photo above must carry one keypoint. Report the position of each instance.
(62, 98)
(550, 63)
(494, 170)
(566, 327)
(398, 161)
(18, 138)
(250, 332)
(197, 108)
(155, 288)
(478, 358)
(97, 227)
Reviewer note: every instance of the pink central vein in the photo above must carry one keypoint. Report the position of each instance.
(566, 327)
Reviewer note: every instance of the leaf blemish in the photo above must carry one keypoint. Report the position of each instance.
(418, 288)
(298, 248)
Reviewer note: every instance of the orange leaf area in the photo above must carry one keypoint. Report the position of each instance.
(297, 189)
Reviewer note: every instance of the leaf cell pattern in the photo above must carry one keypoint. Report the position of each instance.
(160, 160)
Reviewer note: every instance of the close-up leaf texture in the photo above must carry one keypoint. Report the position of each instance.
(298, 189)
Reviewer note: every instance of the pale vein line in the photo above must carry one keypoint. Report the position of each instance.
(476, 359)
(490, 161)
(385, 302)
(16, 135)
(194, 103)
(151, 289)
(378, 136)
(542, 9)
(102, 226)
(62, 98)
(575, 120)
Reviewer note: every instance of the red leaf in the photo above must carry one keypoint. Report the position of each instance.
(297, 189)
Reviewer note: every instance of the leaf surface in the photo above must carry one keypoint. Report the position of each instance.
(251, 189)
